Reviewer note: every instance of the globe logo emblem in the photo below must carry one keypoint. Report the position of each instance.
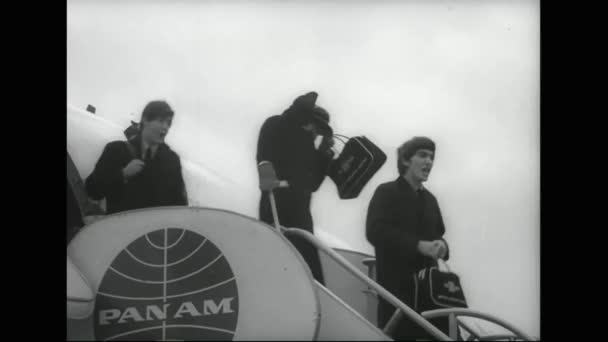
(170, 284)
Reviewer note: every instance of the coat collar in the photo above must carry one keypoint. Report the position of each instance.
(137, 143)
(406, 186)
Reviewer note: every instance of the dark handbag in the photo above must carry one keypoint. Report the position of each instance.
(132, 131)
(436, 289)
(359, 160)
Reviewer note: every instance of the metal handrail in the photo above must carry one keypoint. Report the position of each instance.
(499, 337)
(472, 313)
(420, 320)
(470, 330)
(392, 322)
(79, 299)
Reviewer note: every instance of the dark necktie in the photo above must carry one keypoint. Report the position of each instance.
(148, 156)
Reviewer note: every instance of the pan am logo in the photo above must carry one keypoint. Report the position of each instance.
(170, 284)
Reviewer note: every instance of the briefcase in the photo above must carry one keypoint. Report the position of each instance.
(436, 289)
(359, 160)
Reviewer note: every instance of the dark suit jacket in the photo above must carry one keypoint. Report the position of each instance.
(159, 184)
(291, 150)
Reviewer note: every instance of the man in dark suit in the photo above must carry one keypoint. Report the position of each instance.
(143, 171)
(405, 226)
(288, 142)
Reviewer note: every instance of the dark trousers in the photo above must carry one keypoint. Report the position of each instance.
(294, 212)
(407, 329)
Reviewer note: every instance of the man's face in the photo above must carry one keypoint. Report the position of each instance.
(420, 165)
(156, 130)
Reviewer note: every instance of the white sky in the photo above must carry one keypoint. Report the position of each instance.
(465, 73)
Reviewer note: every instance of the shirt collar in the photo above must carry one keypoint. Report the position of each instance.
(401, 180)
(145, 146)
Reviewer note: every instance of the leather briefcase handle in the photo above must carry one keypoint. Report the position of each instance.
(341, 137)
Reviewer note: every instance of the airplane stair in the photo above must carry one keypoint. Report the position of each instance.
(339, 322)
(183, 273)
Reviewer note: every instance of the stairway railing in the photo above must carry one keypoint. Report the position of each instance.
(452, 314)
(413, 315)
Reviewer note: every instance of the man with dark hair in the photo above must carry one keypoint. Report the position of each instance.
(405, 226)
(143, 171)
(288, 141)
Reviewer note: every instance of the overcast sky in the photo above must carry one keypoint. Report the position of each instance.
(465, 73)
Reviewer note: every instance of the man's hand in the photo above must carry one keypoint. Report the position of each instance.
(133, 168)
(433, 249)
(441, 249)
(326, 144)
(329, 141)
(426, 248)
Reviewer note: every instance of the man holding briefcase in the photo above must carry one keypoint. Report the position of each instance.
(288, 142)
(405, 226)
